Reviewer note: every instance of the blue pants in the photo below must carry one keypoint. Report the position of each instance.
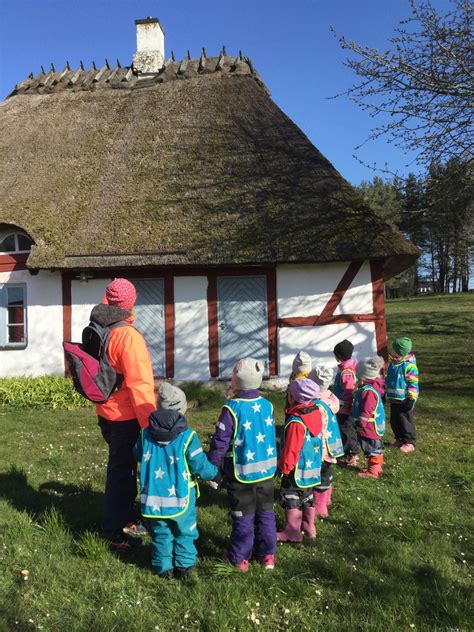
(172, 540)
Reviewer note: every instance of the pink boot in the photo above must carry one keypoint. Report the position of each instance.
(321, 503)
(330, 496)
(292, 530)
(407, 447)
(373, 471)
(309, 516)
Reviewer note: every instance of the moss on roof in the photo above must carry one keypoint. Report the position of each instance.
(207, 170)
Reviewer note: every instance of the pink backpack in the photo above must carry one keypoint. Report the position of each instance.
(88, 363)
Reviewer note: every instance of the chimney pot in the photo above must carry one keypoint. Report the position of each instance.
(150, 55)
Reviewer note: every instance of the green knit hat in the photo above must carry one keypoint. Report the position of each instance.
(402, 346)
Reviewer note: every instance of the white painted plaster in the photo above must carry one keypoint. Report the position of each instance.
(358, 297)
(320, 341)
(44, 353)
(191, 328)
(83, 298)
(304, 290)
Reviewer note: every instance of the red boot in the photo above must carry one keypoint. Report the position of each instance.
(292, 530)
(374, 468)
(321, 503)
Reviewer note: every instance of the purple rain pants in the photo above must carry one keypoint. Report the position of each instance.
(253, 520)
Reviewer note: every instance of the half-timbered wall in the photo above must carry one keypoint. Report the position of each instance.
(44, 325)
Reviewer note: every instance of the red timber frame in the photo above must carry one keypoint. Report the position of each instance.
(327, 316)
(213, 331)
(9, 263)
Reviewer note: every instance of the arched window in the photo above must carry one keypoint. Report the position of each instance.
(14, 242)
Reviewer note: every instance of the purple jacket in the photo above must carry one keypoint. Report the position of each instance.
(222, 440)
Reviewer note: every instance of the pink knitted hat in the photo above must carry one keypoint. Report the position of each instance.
(121, 293)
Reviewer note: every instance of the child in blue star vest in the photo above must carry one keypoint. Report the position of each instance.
(171, 457)
(300, 460)
(368, 414)
(244, 445)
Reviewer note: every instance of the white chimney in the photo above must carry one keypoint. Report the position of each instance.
(150, 54)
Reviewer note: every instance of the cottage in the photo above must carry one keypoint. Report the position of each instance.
(186, 178)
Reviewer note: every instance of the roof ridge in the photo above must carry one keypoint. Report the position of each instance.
(119, 76)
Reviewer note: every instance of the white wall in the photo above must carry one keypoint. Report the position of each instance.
(320, 341)
(304, 290)
(191, 329)
(44, 353)
(83, 299)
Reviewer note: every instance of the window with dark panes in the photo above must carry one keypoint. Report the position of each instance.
(15, 242)
(13, 332)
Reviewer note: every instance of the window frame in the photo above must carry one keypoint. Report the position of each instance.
(4, 344)
(16, 234)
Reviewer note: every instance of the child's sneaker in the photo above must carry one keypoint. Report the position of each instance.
(167, 574)
(135, 529)
(122, 542)
(242, 566)
(407, 447)
(352, 460)
(267, 561)
(183, 573)
(396, 444)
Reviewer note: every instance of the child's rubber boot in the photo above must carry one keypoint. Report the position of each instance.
(292, 530)
(329, 496)
(321, 503)
(309, 516)
(374, 468)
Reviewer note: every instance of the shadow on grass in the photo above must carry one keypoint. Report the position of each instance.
(79, 506)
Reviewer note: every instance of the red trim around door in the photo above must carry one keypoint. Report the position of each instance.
(379, 308)
(213, 325)
(67, 310)
(272, 321)
(169, 325)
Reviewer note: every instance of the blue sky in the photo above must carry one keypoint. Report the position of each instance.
(289, 42)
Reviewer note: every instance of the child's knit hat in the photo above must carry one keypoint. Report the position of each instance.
(370, 368)
(323, 375)
(304, 391)
(121, 293)
(302, 363)
(402, 346)
(247, 374)
(172, 398)
(343, 350)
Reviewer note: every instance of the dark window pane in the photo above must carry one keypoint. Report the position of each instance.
(15, 296)
(8, 244)
(16, 333)
(24, 242)
(15, 315)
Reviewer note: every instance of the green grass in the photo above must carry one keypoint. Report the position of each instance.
(394, 554)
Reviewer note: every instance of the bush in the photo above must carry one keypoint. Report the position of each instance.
(49, 392)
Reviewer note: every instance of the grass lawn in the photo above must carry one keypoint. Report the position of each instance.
(394, 554)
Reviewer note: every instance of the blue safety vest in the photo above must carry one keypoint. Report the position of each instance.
(254, 445)
(165, 478)
(308, 469)
(333, 435)
(378, 418)
(396, 382)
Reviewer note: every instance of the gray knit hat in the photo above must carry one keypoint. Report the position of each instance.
(302, 363)
(247, 374)
(322, 375)
(370, 368)
(172, 398)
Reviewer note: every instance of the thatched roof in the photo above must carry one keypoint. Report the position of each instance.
(193, 166)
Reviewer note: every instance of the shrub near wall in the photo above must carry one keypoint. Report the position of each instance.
(49, 392)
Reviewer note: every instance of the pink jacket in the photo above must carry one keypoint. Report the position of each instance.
(331, 400)
(364, 427)
(348, 381)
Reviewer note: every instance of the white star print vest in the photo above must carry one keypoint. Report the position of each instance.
(165, 479)
(308, 468)
(254, 444)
